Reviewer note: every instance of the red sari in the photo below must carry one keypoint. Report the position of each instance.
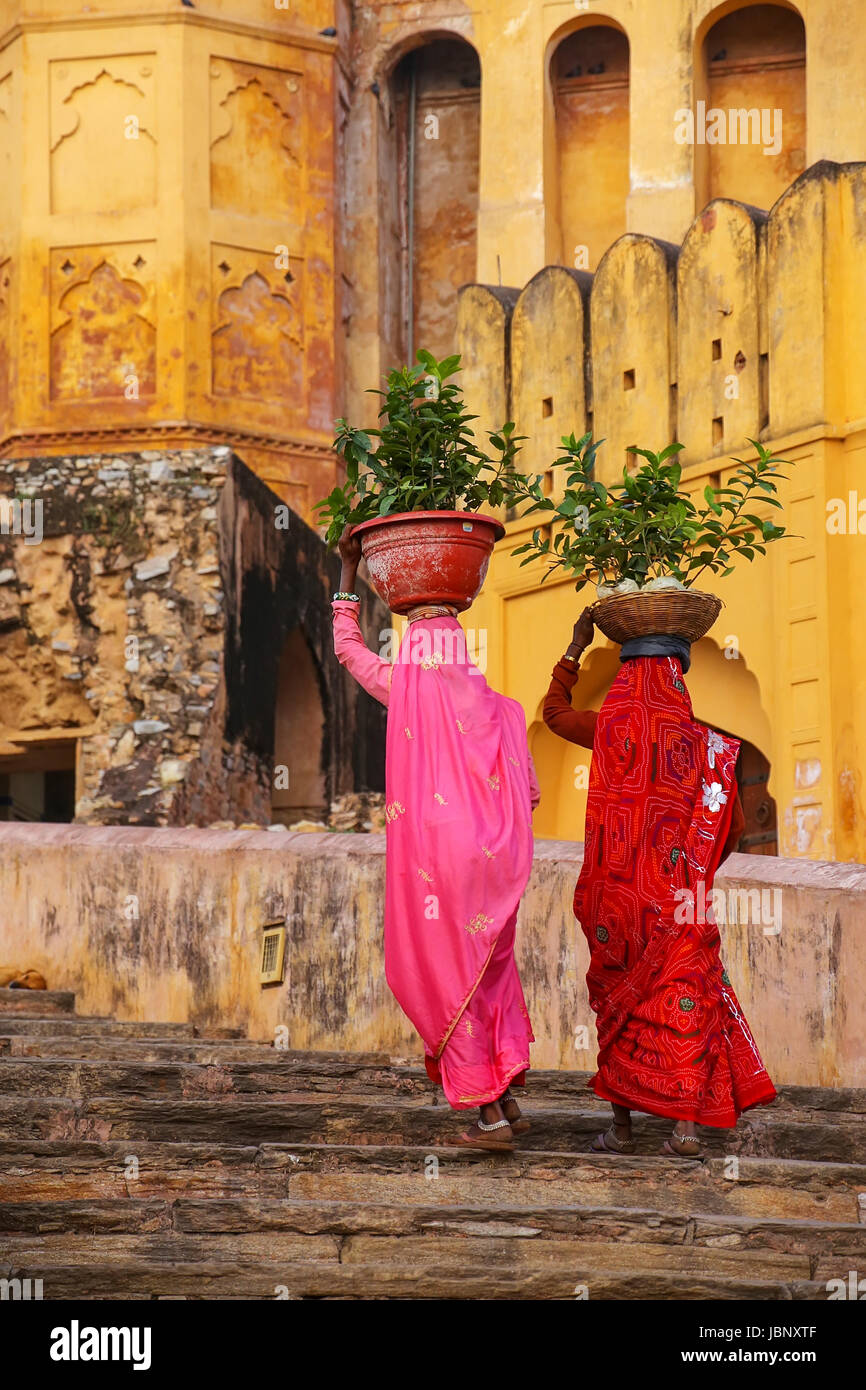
(672, 1037)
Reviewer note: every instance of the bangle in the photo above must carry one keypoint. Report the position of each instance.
(572, 659)
(344, 597)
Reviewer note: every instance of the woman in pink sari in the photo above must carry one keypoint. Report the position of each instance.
(459, 791)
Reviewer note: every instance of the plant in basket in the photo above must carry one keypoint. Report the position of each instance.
(414, 496)
(643, 541)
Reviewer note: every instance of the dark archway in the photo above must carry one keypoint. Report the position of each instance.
(300, 788)
(429, 191)
(761, 833)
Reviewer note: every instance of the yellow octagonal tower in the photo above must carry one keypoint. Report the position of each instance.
(167, 236)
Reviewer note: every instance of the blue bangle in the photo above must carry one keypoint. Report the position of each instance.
(348, 598)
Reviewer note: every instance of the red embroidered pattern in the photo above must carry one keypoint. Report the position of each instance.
(672, 1037)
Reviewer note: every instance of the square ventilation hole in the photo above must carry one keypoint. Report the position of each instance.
(273, 954)
(717, 349)
(718, 430)
(547, 407)
(628, 380)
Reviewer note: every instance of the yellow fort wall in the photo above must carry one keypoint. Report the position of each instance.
(567, 164)
(167, 243)
(753, 328)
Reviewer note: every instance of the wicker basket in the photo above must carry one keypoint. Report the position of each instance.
(686, 613)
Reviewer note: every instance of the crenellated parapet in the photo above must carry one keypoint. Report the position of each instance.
(736, 334)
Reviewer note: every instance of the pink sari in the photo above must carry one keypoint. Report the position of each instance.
(459, 855)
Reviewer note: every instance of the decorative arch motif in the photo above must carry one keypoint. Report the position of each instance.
(103, 341)
(102, 145)
(258, 338)
(255, 139)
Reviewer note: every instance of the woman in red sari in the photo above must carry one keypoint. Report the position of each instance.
(662, 813)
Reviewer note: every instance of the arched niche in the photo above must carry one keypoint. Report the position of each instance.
(563, 767)
(725, 695)
(750, 75)
(428, 191)
(588, 78)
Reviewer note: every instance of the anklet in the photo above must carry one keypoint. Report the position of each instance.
(500, 1124)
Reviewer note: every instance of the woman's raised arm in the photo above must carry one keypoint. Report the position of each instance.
(577, 726)
(371, 672)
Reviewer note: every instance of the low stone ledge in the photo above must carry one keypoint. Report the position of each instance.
(166, 924)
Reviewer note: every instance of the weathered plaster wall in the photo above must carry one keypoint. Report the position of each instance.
(166, 924)
(570, 162)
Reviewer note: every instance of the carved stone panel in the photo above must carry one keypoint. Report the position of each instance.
(258, 326)
(103, 321)
(255, 139)
(103, 134)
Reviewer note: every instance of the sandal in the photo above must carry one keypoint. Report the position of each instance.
(609, 1143)
(495, 1138)
(694, 1150)
(518, 1124)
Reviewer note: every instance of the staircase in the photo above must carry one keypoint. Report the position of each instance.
(156, 1161)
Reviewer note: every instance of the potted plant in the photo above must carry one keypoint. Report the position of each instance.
(644, 542)
(414, 496)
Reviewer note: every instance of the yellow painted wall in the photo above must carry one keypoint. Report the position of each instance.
(546, 186)
(785, 665)
(167, 243)
(154, 259)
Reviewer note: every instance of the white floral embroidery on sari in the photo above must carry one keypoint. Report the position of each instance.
(715, 744)
(714, 797)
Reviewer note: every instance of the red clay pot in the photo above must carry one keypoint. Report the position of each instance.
(428, 557)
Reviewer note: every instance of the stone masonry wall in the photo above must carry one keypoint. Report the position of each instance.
(145, 578)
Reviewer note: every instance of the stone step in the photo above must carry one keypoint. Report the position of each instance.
(276, 1247)
(35, 1003)
(236, 1068)
(101, 1027)
(297, 1117)
(273, 1076)
(206, 1051)
(76, 1170)
(811, 1242)
(258, 1279)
